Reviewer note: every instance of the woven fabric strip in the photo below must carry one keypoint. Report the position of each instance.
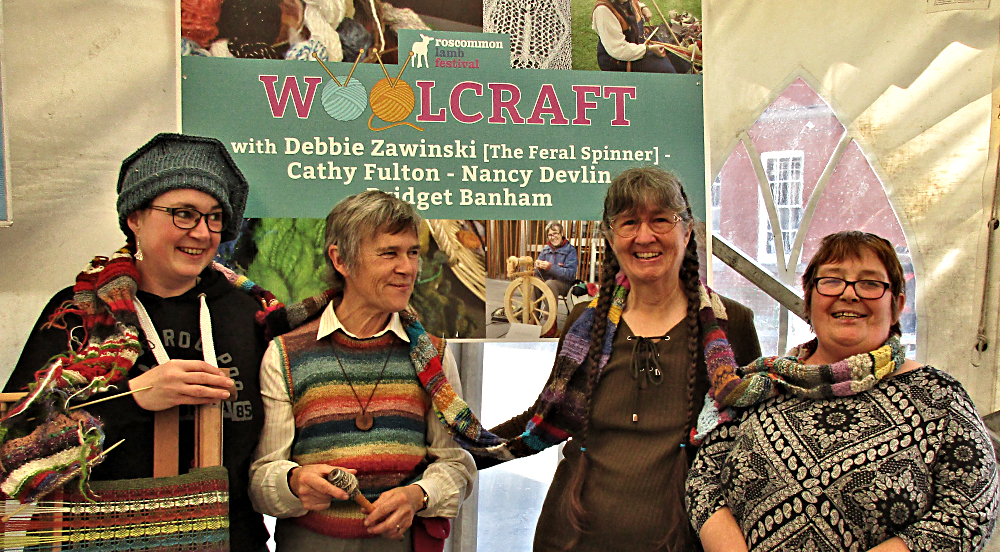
(186, 513)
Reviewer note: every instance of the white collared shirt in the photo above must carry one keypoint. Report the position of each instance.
(606, 24)
(329, 323)
(447, 480)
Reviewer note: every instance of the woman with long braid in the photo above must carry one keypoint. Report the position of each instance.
(629, 378)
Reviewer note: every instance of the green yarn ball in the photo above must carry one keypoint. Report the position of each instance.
(345, 103)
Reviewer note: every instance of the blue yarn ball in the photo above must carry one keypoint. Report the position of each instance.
(345, 103)
(303, 51)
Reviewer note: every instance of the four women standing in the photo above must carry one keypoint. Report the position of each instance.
(842, 445)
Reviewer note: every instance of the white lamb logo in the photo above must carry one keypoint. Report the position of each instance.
(420, 52)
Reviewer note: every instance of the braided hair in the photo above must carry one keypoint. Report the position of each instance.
(632, 189)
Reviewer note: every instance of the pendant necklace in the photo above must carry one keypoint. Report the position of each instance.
(363, 420)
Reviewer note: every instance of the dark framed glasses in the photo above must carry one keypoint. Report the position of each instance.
(865, 289)
(628, 226)
(187, 218)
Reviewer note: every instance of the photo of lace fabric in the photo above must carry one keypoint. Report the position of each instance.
(539, 31)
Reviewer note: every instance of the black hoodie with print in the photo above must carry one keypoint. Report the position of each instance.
(239, 346)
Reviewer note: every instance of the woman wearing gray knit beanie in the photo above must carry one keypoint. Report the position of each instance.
(179, 196)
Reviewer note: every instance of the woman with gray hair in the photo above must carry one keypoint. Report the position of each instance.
(557, 262)
(341, 390)
(629, 378)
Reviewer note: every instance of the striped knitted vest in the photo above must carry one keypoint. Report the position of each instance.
(388, 455)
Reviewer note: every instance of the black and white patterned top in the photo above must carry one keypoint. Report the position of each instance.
(908, 458)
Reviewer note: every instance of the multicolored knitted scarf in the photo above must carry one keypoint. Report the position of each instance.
(103, 298)
(768, 377)
(66, 445)
(562, 403)
(425, 354)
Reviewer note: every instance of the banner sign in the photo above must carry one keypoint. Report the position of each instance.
(452, 129)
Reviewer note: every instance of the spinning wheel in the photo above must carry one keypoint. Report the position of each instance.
(527, 299)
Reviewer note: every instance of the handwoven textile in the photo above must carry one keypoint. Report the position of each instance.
(186, 513)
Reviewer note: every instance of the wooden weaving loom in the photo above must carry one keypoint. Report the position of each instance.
(164, 513)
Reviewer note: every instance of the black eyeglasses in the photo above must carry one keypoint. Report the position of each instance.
(628, 227)
(187, 218)
(865, 289)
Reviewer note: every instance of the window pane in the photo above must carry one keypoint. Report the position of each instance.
(729, 283)
(738, 220)
(796, 137)
(855, 200)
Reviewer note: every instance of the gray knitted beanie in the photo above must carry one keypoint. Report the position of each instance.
(178, 161)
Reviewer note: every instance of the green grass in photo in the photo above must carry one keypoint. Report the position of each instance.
(585, 38)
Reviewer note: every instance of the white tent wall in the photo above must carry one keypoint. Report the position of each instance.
(916, 88)
(85, 84)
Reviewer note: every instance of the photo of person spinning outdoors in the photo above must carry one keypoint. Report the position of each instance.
(622, 44)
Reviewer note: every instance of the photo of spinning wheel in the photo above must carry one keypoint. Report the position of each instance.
(527, 299)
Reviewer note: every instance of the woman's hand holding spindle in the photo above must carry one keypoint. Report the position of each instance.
(310, 485)
(394, 511)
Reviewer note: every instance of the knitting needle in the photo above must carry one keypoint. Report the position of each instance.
(651, 35)
(356, 60)
(111, 397)
(387, 77)
(403, 68)
(676, 40)
(96, 459)
(106, 451)
(327, 70)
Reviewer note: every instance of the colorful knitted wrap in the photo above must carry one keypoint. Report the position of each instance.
(102, 297)
(97, 360)
(65, 445)
(562, 403)
(768, 377)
